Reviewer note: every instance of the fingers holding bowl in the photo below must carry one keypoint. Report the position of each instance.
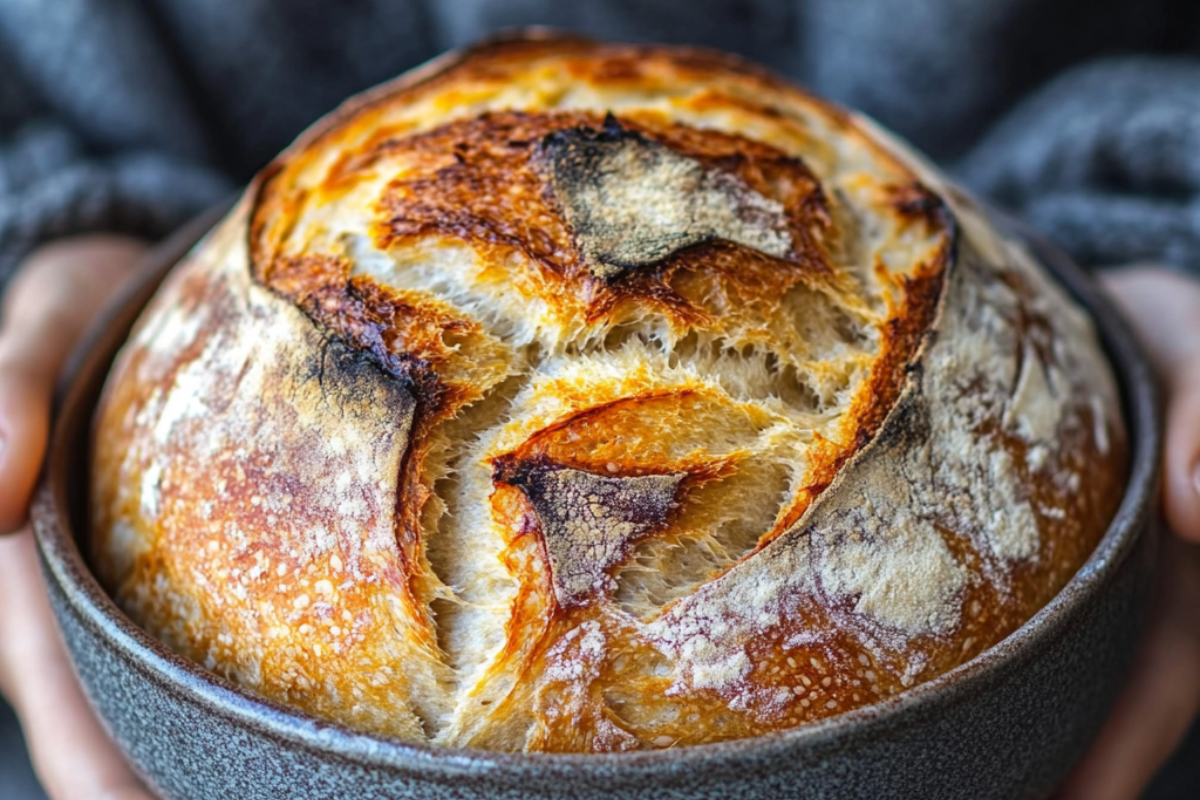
(54, 297)
(1163, 695)
(73, 756)
(1164, 308)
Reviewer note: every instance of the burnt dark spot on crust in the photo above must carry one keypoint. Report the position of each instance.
(372, 324)
(407, 338)
(631, 202)
(917, 201)
(589, 521)
(350, 381)
(909, 426)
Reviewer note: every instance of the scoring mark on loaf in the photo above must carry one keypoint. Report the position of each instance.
(631, 201)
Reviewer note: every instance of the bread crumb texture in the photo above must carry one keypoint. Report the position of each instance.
(565, 396)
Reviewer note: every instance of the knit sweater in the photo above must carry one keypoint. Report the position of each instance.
(1082, 116)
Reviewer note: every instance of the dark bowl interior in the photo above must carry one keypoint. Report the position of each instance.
(1009, 724)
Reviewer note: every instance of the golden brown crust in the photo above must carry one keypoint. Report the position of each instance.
(565, 396)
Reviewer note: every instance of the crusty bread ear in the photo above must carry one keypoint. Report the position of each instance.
(583, 397)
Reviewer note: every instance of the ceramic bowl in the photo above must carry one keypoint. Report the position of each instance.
(1007, 725)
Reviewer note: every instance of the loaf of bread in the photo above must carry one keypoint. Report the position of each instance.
(568, 396)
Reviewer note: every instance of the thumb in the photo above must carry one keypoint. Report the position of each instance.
(1164, 309)
(49, 303)
(73, 756)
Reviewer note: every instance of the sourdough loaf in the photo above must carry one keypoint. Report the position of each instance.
(567, 396)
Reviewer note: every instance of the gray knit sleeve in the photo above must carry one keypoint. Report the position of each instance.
(1105, 160)
(50, 188)
(95, 129)
(132, 115)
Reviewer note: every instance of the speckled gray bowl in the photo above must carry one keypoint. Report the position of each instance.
(1007, 725)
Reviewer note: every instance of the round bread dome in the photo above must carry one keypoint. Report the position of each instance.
(569, 396)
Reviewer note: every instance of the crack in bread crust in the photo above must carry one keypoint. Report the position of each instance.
(587, 397)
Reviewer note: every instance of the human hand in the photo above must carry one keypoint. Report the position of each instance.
(1163, 695)
(56, 294)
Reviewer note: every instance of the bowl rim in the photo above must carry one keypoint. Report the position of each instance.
(65, 565)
